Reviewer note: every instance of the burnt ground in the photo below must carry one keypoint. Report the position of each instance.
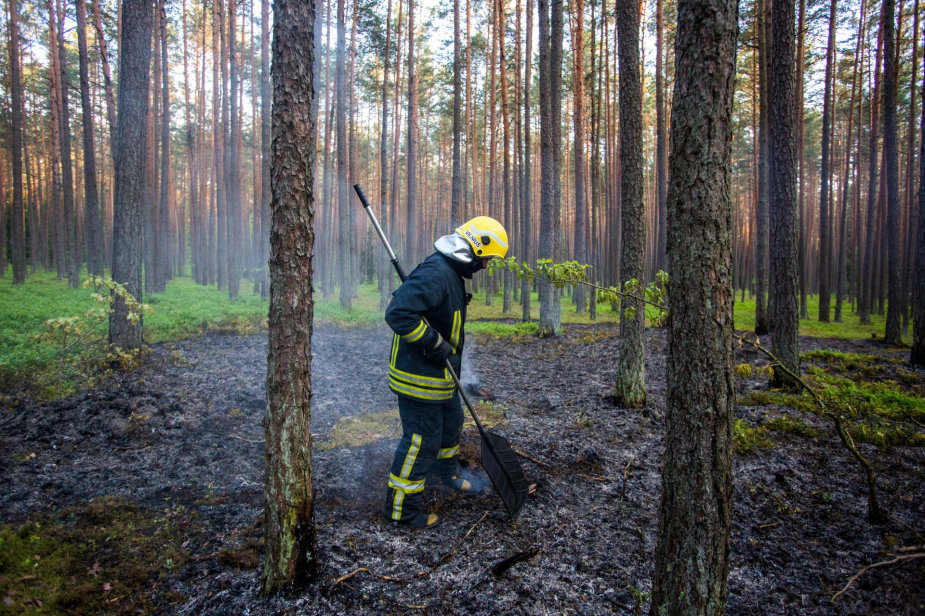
(184, 434)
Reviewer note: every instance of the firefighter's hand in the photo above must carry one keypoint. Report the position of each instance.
(438, 354)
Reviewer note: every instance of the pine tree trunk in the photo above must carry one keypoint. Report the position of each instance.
(456, 205)
(630, 388)
(233, 163)
(265, 145)
(384, 272)
(761, 216)
(218, 144)
(824, 224)
(661, 140)
(343, 194)
(165, 238)
(804, 220)
(501, 28)
(291, 558)
(526, 193)
(74, 260)
(892, 333)
(550, 33)
(411, 152)
(912, 220)
(917, 357)
(692, 551)
(578, 119)
(865, 298)
(130, 165)
(841, 269)
(782, 176)
(18, 229)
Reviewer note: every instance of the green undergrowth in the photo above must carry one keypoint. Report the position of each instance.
(184, 310)
(106, 557)
(849, 328)
(880, 412)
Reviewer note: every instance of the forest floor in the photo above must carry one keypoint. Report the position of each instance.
(145, 494)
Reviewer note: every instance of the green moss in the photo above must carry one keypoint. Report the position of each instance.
(748, 439)
(108, 557)
(862, 365)
(788, 425)
(879, 413)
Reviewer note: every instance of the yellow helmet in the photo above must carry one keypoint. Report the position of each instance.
(486, 236)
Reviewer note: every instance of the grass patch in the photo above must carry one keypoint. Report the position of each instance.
(363, 429)
(108, 557)
(849, 328)
(184, 310)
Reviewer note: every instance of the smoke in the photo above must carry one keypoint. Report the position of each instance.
(468, 376)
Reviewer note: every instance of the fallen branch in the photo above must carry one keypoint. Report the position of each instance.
(344, 578)
(883, 563)
(527, 456)
(874, 514)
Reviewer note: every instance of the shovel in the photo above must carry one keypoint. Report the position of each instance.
(498, 459)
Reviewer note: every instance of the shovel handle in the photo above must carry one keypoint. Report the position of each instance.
(403, 277)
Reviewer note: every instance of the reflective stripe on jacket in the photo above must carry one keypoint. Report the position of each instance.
(434, 291)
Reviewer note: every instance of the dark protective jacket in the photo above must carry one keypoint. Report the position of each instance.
(434, 291)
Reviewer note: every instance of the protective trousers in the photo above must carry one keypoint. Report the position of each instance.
(429, 445)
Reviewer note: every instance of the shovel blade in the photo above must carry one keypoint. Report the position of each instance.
(501, 464)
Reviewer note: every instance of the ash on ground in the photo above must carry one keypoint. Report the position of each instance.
(186, 432)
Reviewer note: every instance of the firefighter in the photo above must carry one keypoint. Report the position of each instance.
(428, 315)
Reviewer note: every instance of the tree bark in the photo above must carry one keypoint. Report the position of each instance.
(527, 189)
(630, 388)
(825, 251)
(343, 186)
(692, 551)
(107, 78)
(266, 139)
(550, 33)
(841, 269)
(384, 273)
(18, 229)
(456, 188)
(233, 163)
(865, 295)
(892, 333)
(129, 181)
(761, 216)
(578, 119)
(783, 314)
(165, 238)
(661, 141)
(291, 546)
(917, 357)
(74, 260)
(413, 240)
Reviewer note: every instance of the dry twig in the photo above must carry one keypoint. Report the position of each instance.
(247, 440)
(527, 456)
(882, 563)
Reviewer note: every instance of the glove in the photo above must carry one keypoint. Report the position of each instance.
(438, 353)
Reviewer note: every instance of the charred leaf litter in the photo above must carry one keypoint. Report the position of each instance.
(145, 494)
